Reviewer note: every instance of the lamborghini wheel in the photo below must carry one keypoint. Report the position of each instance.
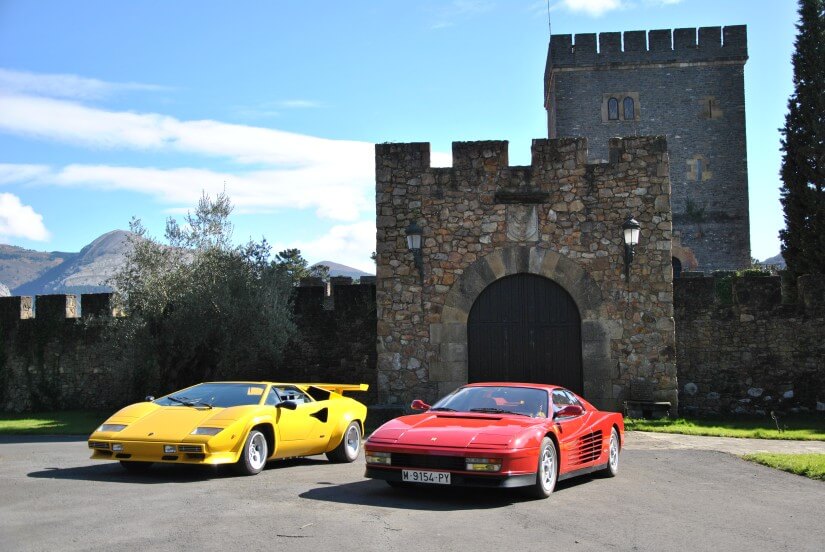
(547, 472)
(350, 446)
(135, 467)
(612, 467)
(254, 454)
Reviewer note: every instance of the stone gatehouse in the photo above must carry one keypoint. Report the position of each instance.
(521, 273)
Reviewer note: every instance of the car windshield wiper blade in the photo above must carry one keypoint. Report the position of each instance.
(182, 400)
(444, 409)
(498, 411)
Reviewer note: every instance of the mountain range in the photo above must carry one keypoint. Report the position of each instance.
(27, 272)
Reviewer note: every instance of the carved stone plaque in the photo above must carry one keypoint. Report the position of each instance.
(522, 223)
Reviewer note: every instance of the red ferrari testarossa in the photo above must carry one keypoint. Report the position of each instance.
(497, 435)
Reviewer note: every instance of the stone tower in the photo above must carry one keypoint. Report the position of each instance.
(671, 84)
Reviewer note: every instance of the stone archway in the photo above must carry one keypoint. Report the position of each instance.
(450, 336)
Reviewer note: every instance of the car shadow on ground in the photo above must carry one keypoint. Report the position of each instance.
(113, 472)
(419, 497)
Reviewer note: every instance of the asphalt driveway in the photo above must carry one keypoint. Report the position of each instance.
(52, 497)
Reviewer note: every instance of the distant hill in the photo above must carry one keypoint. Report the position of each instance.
(27, 272)
(337, 269)
(776, 260)
(83, 272)
(18, 265)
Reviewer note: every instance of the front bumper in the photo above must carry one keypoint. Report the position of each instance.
(518, 466)
(459, 479)
(153, 451)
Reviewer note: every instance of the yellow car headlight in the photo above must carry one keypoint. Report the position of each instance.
(112, 427)
(207, 431)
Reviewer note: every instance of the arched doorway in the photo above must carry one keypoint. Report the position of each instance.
(677, 267)
(525, 327)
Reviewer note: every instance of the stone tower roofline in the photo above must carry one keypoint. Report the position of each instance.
(492, 156)
(714, 44)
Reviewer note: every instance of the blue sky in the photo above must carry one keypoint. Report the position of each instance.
(110, 110)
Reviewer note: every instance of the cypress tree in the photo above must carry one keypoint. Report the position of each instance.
(803, 144)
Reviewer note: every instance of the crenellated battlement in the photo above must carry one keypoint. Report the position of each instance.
(55, 307)
(657, 46)
(492, 156)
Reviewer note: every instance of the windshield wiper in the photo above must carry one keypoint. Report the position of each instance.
(444, 409)
(182, 400)
(498, 411)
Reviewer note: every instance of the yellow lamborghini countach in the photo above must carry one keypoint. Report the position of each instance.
(240, 423)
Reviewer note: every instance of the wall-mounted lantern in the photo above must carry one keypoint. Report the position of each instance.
(630, 228)
(414, 233)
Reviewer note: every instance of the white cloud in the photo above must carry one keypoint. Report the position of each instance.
(447, 13)
(298, 104)
(12, 173)
(77, 124)
(593, 8)
(596, 8)
(66, 86)
(349, 244)
(20, 221)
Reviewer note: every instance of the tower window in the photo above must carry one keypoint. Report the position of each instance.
(629, 110)
(620, 106)
(613, 109)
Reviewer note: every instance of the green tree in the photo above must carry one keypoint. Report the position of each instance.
(295, 267)
(803, 143)
(198, 307)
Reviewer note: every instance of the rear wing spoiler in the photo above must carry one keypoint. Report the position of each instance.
(339, 388)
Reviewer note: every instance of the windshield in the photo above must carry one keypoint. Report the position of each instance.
(503, 400)
(221, 395)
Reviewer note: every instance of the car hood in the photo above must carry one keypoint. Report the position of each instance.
(447, 429)
(152, 422)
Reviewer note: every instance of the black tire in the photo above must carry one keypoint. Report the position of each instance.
(254, 454)
(349, 447)
(547, 470)
(135, 467)
(612, 467)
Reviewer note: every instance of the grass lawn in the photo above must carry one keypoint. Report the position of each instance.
(808, 428)
(71, 422)
(809, 465)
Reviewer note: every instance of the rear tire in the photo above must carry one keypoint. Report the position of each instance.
(135, 467)
(349, 447)
(254, 454)
(547, 472)
(612, 467)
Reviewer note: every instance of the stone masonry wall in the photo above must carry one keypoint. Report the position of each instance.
(740, 349)
(61, 357)
(559, 218)
(692, 91)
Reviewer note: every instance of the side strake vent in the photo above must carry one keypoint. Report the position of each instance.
(589, 448)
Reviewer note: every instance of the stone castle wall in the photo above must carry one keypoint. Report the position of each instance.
(741, 349)
(692, 91)
(56, 351)
(560, 218)
(748, 347)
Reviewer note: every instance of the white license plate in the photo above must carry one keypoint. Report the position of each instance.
(418, 476)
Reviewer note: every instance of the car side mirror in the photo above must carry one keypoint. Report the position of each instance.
(570, 411)
(289, 405)
(149, 398)
(418, 404)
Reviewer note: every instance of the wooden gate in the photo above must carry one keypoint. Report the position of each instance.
(525, 328)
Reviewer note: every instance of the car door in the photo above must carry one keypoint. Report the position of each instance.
(301, 431)
(575, 438)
